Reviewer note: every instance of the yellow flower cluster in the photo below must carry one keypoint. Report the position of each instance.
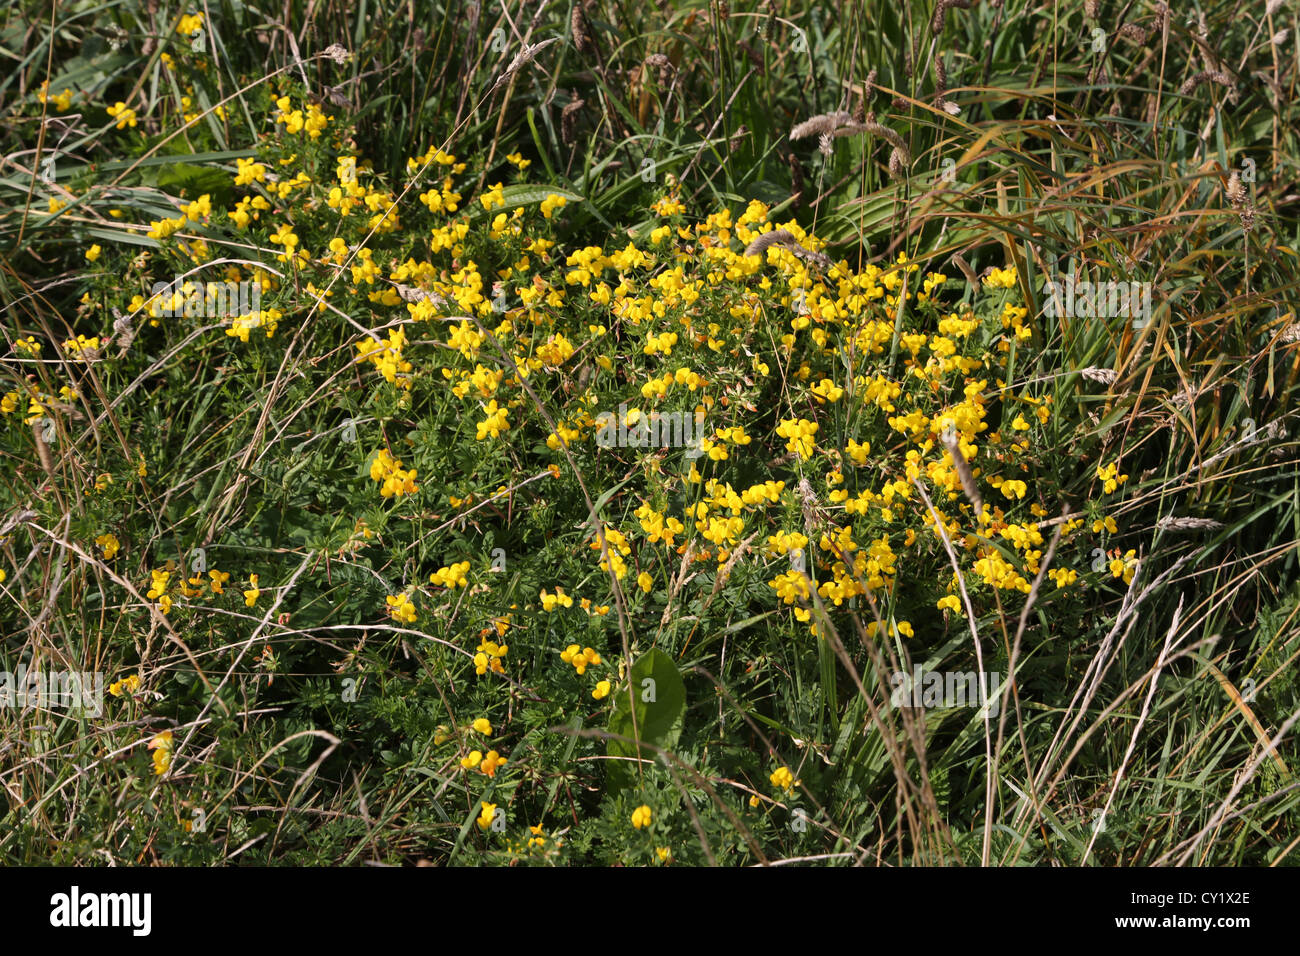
(268, 320)
(617, 545)
(495, 423)
(162, 745)
(783, 779)
(488, 658)
(486, 763)
(452, 576)
(400, 608)
(552, 601)
(124, 115)
(580, 657)
(394, 480)
(799, 433)
(127, 685)
(295, 121)
(1110, 477)
(386, 356)
(108, 545)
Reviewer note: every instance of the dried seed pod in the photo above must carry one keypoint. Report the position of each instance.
(569, 119)
(953, 444)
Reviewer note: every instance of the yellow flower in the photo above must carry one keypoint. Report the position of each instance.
(491, 761)
(602, 690)
(158, 585)
(400, 608)
(80, 344)
(662, 853)
(493, 197)
(1000, 279)
(799, 434)
(109, 544)
(248, 171)
(1014, 489)
(452, 576)
(645, 582)
(62, 101)
(1125, 567)
(641, 817)
(473, 760)
(483, 726)
(495, 423)
(783, 779)
(251, 595)
(559, 599)
(128, 685)
(124, 115)
(189, 23)
(1110, 477)
(486, 816)
(1063, 576)
(93, 253)
(161, 745)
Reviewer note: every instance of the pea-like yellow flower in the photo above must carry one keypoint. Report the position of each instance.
(798, 433)
(1014, 489)
(641, 817)
(1125, 567)
(783, 779)
(1110, 477)
(491, 761)
(109, 545)
(124, 115)
(400, 608)
(452, 576)
(161, 744)
(127, 685)
(559, 599)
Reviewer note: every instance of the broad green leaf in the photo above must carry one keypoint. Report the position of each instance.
(660, 706)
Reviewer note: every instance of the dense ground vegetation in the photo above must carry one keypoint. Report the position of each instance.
(546, 433)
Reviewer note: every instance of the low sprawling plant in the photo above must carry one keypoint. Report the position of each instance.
(435, 504)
